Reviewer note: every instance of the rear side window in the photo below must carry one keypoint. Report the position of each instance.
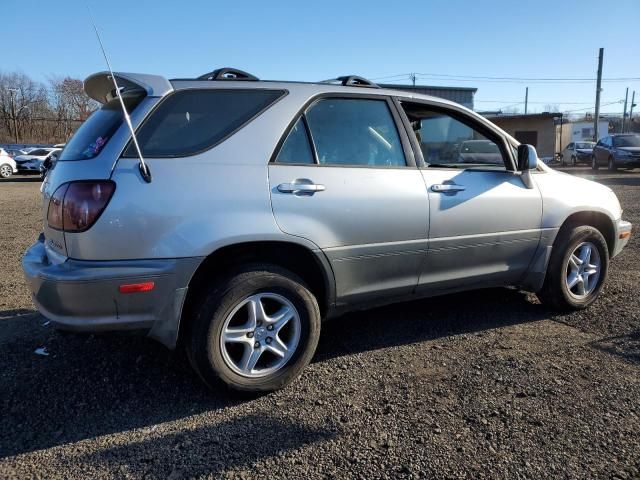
(355, 132)
(190, 121)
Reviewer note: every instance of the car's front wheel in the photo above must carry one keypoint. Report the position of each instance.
(574, 161)
(255, 331)
(612, 164)
(5, 170)
(594, 163)
(577, 269)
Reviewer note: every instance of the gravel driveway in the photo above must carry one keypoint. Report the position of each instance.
(487, 384)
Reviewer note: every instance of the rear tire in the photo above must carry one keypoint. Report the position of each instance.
(594, 163)
(228, 344)
(5, 170)
(568, 262)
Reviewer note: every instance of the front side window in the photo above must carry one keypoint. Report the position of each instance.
(191, 121)
(355, 132)
(448, 142)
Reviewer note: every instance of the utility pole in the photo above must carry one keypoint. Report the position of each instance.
(526, 99)
(633, 99)
(596, 117)
(413, 79)
(624, 112)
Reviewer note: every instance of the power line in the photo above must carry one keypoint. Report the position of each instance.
(476, 78)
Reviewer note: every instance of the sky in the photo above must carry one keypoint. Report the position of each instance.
(307, 40)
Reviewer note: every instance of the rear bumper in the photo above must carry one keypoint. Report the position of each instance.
(623, 234)
(84, 295)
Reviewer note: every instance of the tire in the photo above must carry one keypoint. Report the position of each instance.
(227, 305)
(562, 160)
(556, 292)
(594, 163)
(5, 170)
(612, 164)
(574, 161)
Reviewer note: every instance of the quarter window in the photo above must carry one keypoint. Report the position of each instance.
(355, 132)
(190, 121)
(296, 148)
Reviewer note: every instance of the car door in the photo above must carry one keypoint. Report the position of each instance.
(344, 178)
(485, 223)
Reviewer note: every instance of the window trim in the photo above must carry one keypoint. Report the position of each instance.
(301, 113)
(458, 113)
(283, 94)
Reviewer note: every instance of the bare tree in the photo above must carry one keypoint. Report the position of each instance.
(32, 112)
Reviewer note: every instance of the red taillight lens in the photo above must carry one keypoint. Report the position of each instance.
(54, 212)
(81, 204)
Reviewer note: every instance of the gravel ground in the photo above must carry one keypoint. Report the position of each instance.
(485, 384)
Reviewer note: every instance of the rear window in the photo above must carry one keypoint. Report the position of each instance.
(94, 133)
(190, 121)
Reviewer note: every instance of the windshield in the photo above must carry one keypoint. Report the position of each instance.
(627, 141)
(585, 145)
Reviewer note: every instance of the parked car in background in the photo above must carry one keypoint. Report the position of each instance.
(616, 151)
(577, 152)
(7, 164)
(13, 152)
(30, 163)
(310, 200)
(480, 151)
(49, 162)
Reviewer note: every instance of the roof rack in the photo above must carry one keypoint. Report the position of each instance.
(353, 81)
(227, 73)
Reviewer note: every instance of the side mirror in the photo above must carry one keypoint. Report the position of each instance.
(527, 157)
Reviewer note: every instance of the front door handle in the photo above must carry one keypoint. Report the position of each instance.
(301, 186)
(447, 188)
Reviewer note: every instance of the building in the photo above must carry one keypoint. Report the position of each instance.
(538, 129)
(549, 132)
(584, 131)
(462, 95)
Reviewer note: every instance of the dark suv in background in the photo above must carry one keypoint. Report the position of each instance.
(620, 150)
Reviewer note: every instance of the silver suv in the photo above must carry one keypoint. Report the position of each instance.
(269, 206)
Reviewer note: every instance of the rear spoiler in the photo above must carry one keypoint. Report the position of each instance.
(99, 86)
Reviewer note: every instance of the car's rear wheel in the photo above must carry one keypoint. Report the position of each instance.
(5, 170)
(255, 331)
(594, 163)
(577, 269)
(612, 164)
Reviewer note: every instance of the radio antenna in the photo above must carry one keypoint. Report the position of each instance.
(144, 168)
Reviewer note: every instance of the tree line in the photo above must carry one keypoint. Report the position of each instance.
(37, 112)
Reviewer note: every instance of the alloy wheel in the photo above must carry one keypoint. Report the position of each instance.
(583, 270)
(5, 171)
(260, 335)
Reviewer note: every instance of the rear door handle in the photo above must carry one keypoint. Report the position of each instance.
(447, 188)
(302, 186)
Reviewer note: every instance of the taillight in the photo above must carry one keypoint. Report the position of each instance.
(75, 206)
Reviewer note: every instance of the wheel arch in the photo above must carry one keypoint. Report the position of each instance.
(601, 221)
(310, 265)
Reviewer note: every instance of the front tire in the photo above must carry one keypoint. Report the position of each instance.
(254, 331)
(574, 161)
(612, 164)
(577, 269)
(5, 170)
(594, 163)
